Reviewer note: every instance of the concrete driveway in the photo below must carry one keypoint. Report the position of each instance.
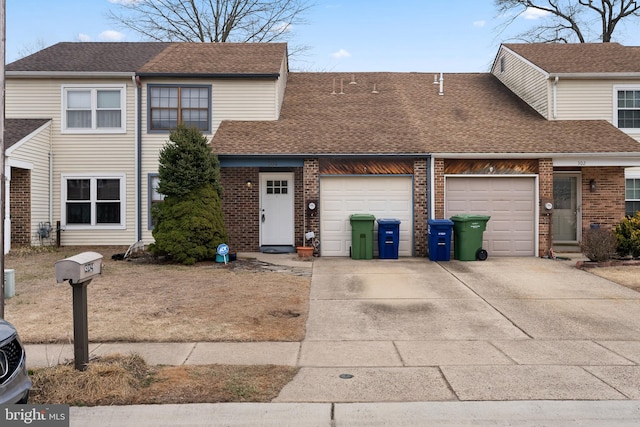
(503, 329)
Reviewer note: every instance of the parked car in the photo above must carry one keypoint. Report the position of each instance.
(15, 383)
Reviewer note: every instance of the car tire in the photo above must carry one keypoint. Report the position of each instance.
(24, 400)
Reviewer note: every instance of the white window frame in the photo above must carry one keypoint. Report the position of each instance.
(94, 108)
(93, 199)
(154, 196)
(616, 89)
(629, 175)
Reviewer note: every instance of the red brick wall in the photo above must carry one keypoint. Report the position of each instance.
(241, 207)
(605, 206)
(312, 193)
(420, 205)
(20, 206)
(545, 182)
(438, 187)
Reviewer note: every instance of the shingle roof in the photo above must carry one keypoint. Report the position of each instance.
(476, 114)
(580, 57)
(157, 58)
(89, 57)
(16, 129)
(218, 58)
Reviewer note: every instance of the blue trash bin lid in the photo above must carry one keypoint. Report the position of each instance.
(440, 222)
(388, 221)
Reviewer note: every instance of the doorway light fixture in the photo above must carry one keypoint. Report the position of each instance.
(592, 186)
(249, 184)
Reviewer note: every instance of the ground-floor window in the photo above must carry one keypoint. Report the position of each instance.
(93, 201)
(154, 196)
(632, 196)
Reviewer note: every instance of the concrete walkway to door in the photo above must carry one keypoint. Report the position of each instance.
(503, 329)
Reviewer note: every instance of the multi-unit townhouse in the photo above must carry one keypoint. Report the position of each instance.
(300, 152)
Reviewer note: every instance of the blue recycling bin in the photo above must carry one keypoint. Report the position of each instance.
(388, 238)
(439, 237)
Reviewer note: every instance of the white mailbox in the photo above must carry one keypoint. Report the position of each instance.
(79, 268)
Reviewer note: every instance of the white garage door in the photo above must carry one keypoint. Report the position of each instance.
(383, 197)
(511, 202)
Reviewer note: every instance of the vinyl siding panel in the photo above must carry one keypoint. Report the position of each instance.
(523, 79)
(93, 153)
(35, 151)
(585, 100)
(233, 99)
(244, 100)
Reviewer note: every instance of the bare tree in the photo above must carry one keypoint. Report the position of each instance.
(571, 20)
(211, 20)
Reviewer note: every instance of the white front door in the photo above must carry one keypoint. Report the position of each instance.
(276, 209)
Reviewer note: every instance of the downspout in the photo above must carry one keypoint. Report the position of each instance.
(555, 97)
(50, 186)
(138, 86)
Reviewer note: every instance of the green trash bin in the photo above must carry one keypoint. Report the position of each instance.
(467, 233)
(362, 236)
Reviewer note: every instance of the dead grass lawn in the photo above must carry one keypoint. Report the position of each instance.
(128, 380)
(628, 276)
(142, 301)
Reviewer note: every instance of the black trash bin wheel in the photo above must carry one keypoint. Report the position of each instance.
(481, 255)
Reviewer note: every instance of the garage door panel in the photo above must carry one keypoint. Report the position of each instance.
(383, 197)
(510, 201)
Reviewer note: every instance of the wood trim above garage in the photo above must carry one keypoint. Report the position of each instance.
(366, 166)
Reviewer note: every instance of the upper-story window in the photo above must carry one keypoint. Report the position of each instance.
(91, 109)
(187, 104)
(627, 114)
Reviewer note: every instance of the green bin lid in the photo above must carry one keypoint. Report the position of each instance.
(362, 217)
(469, 217)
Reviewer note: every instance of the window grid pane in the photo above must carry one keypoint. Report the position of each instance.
(78, 189)
(629, 109)
(173, 105)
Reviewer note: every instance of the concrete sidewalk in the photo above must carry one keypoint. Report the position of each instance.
(518, 341)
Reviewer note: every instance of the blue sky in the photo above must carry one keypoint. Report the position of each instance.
(342, 35)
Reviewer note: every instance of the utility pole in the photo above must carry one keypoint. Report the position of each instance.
(3, 43)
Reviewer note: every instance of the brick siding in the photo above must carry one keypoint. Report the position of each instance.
(604, 206)
(420, 206)
(20, 206)
(241, 207)
(545, 183)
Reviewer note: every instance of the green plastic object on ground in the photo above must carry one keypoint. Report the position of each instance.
(467, 232)
(362, 236)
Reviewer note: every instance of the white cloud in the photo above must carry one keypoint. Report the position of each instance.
(341, 54)
(532, 13)
(84, 37)
(479, 24)
(111, 36)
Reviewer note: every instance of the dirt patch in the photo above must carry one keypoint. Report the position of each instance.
(143, 300)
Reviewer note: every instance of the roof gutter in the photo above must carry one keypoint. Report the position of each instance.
(213, 75)
(514, 155)
(63, 74)
(595, 76)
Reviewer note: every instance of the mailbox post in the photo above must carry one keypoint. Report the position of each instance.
(79, 270)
